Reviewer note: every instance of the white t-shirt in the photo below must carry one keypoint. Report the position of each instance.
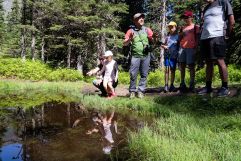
(214, 19)
(109, 69)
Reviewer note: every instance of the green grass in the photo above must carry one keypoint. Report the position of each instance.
(185, 128)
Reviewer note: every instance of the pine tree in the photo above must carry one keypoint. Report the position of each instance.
(234, 53)
(13, 30)
(2, 25)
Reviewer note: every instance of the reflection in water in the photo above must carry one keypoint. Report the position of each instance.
(12, 152)
(103, 124)
(64, 132)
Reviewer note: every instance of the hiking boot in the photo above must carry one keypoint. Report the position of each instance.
(172, 88)
(204, 91)
(183, 87)
(223, 92)
(140, 95)
(132, 94)
(166, 88)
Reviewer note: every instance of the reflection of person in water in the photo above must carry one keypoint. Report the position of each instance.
(103, 125)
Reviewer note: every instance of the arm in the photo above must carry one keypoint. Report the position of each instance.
(231, 23)
(150, 35)
(128, 37)
(116, 73)
(230, 18)
(165, 45)
(93, 71)
(111, 117)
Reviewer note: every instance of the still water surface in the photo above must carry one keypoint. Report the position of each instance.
(64, 132)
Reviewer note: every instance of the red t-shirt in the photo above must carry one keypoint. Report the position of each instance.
(188, 39)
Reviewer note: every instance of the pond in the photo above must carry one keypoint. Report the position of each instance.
(64, 132)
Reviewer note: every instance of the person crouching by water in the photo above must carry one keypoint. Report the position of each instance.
(110, 73)
(170, 56)
(98, 82)
(140, 38)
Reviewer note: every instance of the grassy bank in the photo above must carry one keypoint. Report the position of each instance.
(186, 128)
(13, 68)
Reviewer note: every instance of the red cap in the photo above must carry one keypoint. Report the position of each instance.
(187, 14)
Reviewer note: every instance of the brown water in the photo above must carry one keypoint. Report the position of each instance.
(64, 132)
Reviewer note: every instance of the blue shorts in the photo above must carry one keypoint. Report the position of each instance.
(170, 62)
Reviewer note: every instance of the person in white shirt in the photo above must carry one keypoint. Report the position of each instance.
(110, 70)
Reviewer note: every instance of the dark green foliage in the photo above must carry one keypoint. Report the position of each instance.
(2, 24)
(12, 41)
(234, 42)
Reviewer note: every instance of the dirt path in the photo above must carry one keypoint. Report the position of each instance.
(122, 91)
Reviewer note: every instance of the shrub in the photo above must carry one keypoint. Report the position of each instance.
(35, 71)
(65, 75)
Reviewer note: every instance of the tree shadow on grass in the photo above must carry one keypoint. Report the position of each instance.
(200, 105)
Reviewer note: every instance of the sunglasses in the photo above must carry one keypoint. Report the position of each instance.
(187, 17)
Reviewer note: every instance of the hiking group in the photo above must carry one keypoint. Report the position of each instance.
(180, 48)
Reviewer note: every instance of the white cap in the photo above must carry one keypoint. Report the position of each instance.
(108, 53)
(137, 15)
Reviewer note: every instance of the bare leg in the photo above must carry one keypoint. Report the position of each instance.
(105, 85)
(167, 69)
(192, 74)
(110, 87)
(172, 76)
(223, 71)
(209, 71)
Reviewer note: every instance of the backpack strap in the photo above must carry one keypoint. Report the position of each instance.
(224, 7)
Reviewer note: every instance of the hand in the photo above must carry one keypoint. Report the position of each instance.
(164, 46)
(89, 73)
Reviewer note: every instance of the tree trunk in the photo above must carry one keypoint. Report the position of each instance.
(80, 64)
(33, 46)
(101, 46)
(42, 49)
(163, 32)
(23, 45)
(69, 55)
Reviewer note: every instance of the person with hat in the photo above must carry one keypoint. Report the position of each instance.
(188, 44)
(139, 37)
(98, 82)
(170, 46)
(217, 26)
(110, 73)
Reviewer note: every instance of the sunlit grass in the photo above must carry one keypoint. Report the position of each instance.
(186, 128)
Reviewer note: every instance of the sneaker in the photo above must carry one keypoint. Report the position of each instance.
(166, 88)
(204, 91)
(172, 88)
(223, 92)
(111, 95)
(140, 95)
(132, 95)
(183, 87)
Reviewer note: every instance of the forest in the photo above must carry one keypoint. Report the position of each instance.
(50, 110)
(73, 33)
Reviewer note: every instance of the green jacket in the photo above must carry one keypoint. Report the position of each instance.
(139, 42)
